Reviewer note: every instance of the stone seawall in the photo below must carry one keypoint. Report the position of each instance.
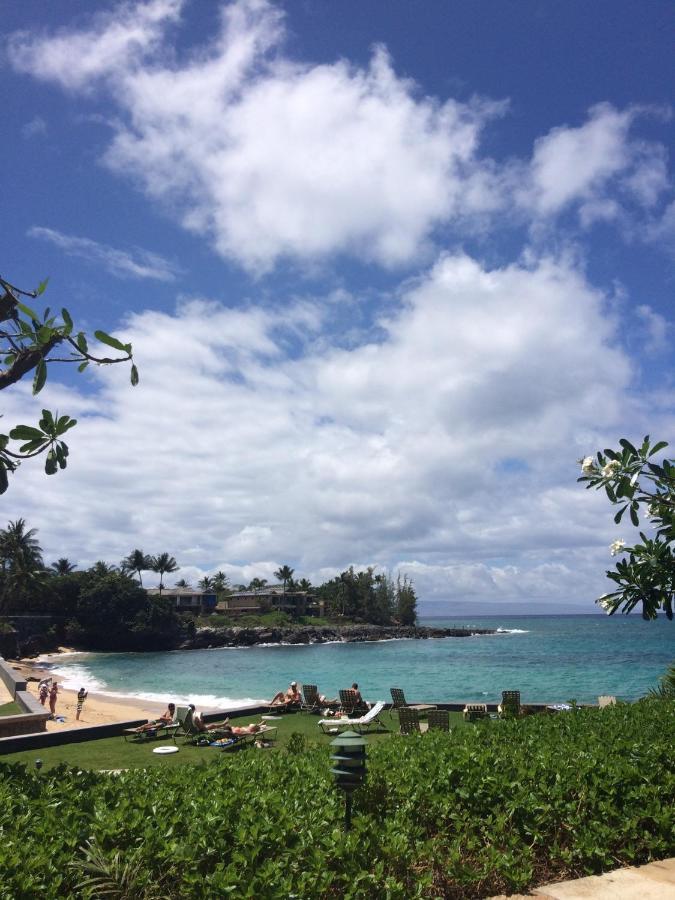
(234, 636)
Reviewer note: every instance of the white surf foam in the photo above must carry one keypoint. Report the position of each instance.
(512, 631)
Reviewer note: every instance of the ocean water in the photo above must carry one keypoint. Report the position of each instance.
(547, 658)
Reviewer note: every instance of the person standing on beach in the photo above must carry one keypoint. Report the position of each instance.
(43, 690)
(53, 693)
(81, 697)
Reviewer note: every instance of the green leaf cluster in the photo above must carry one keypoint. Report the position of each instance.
(645, 489)
(28, 344)
(499, 807)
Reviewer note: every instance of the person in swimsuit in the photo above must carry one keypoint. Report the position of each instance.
(53, 694)
(292, 697)
(81, 697)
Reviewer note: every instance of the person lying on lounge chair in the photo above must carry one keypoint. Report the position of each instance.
(201, 725)
(165, 719)
(292, 697)
(243, 729)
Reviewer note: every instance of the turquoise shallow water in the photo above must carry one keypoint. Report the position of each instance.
(550, 658)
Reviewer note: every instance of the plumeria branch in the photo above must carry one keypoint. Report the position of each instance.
(646, 575)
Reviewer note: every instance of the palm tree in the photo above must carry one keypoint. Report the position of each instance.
(101, 568)
(666, 687)
(20, 560)
(285, 574)
(63, 566)
(304, 585)
(162, 564)
(137, 561)
(17, 543)
(257, 584)
(206, 583)
(220, 582)
(182, 583)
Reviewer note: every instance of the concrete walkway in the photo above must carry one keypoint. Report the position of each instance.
(655, 881)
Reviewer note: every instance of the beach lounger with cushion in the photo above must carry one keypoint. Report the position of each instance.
(194, 735)
(233, 741)
(398, 698)
(473, 711)
(361, 724)
(162, 729)
(439, 720)
(509, 708)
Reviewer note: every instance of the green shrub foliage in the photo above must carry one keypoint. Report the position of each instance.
(499, 807)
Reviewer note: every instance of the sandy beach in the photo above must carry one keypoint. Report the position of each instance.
(98, 709)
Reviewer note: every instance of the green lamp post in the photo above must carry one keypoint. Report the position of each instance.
(349, 759)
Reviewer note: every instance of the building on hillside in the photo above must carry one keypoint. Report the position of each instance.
(255, 602)
(187, 599)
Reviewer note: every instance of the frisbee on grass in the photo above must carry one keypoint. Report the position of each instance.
(164, 750)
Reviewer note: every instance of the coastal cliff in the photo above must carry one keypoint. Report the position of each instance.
(234, 636)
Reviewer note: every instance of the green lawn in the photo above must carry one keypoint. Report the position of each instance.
(10, 709)
(116, 753)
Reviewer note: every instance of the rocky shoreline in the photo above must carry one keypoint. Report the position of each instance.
(234, 636)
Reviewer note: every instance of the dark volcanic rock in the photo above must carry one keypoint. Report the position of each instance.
(309, 634)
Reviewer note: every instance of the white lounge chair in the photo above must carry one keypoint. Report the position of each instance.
(363, 723)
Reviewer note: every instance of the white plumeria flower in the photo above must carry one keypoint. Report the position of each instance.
(611, 468)
(587, 465)
(616, 547)
(606, 604)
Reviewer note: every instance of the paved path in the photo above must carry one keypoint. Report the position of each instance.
(655, 881)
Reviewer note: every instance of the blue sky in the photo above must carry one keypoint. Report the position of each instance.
(389, 272)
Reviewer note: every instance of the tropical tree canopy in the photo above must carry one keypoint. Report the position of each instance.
(221, 582)
(163, 563)
(28, 343)
(257, 584)
(101, 568)
(63, 566)
(137, 561)
(21, 563)
(638, 485)
(285, 574)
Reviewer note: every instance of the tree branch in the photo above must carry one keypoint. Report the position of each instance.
(27, 360)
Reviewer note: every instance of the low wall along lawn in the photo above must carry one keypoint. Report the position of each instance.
(32, 718)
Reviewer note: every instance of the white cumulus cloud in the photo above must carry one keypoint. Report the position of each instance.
(450, 444)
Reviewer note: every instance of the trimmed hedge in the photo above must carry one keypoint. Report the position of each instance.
(500, 807)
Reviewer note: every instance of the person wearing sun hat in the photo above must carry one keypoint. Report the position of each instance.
(291, 697)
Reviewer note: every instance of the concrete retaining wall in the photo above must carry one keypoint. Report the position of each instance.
(34, 717)
(13, 681)
(67, 736)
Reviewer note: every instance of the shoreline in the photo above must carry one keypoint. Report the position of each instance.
(98, 709)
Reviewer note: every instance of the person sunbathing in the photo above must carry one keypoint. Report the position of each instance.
(291, 697)
(165, 719)
(253, 728)
(201, 725)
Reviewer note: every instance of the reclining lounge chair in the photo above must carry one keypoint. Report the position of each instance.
(473, 711)
(509, 708)
(364, 723)
(398, 698)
